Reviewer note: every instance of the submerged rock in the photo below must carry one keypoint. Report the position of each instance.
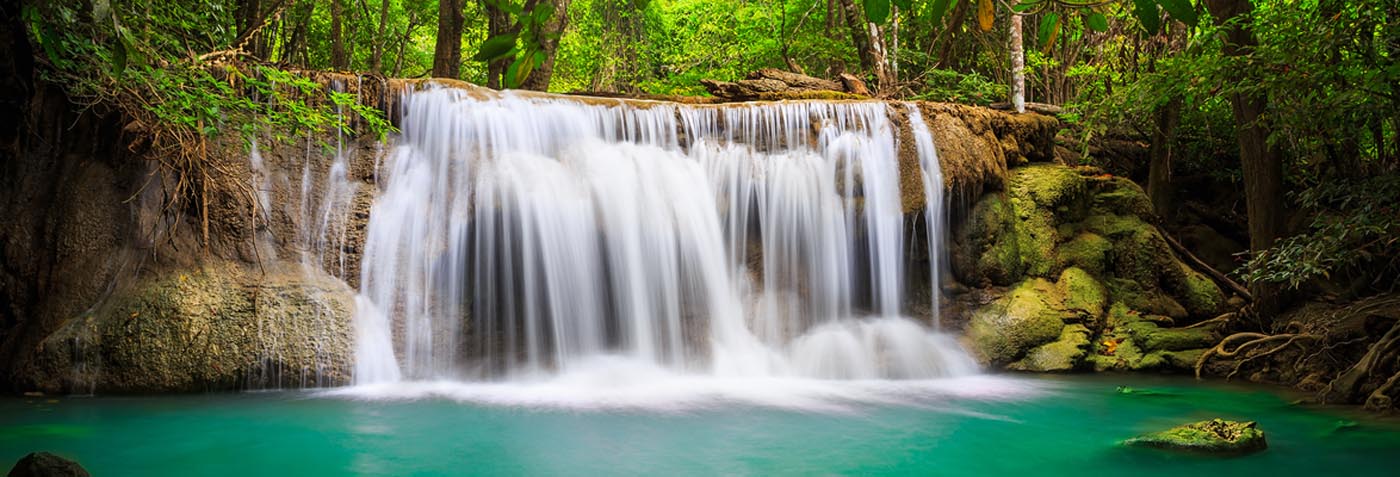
(44, 464)
(1216, 436)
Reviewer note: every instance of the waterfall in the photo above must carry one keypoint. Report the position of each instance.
(935, 215)
(517, 235)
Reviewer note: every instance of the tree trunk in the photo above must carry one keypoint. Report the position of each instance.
(447, 53)
(1159, 171)
(376, 57)
(1262, 164)
(539, 78)
(497, 22)
(1018, 67)
(339, 60)
(855, 22)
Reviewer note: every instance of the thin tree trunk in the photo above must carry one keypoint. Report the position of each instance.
(1018, 66)
(1159, 171)
(539, 78)
(497, 22)
(855, 22)
(376, 59)
(1262, 164)
(447, 53)
(339, 60)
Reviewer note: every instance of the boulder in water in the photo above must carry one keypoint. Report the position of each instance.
(1216, 436)
(44, 464)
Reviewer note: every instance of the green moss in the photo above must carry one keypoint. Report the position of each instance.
(988, 239)
(1025, 318)
(1087, 250)
(1197, 292)
(1048, 185)
(1149, 301)
(1184, 360)
(1035, 237)
(1064, 354)
(1215, 436)
(1122, 196)
(1113, 225)
(1083, 294)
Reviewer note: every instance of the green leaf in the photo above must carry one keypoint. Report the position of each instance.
(1146, 13)
(1097, 22)
(542, 12)
(940, 7)
(1049, 29)
(904, 4)
(495, 48)
(1025, 5)
(877, 11)
(1181, 10)
(118, 57)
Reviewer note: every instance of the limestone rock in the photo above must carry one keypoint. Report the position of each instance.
(1025, 318)
(44, 464)
(1216, 436)
(218, 327)
(1064, 354)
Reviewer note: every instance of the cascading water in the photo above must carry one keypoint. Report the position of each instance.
(520, 235)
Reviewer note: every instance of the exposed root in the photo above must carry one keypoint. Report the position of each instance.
(1255, 339)
(1345, 387)
(1225, 318)
(1381, 399)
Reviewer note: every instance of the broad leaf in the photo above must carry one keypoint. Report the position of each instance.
(986, 14)
(877, 11)
(1146, 13)
(904, 4)
(940, 7)
(1025, 5)
(1181, 10)
(1049, 30)
(1097, 22)
(495, 48)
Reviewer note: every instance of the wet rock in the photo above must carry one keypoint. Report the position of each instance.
(1064, 354)
(44, 464)
(1008, 328)
(1216, 436)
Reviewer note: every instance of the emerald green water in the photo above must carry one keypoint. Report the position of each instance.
(989, 426)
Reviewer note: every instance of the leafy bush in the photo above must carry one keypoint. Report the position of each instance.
(954, 87)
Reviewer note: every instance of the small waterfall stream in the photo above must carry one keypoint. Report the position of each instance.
(520, 235)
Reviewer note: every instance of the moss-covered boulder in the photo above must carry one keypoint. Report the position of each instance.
(1121, 196)
(1200, 295)
(1083, 294)
(218, 327)
(1064, 354)
(1026, 317)
(1216, 437)
(1152, 301)
(1088, 251)
(985, 249)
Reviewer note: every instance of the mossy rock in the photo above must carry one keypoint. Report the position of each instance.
(1216, 437)
(1083, 294)
(1008, 328)
(1148, 301)
(1048, 185)
(1121, 196)
(985, 248)
(1184, 360)
(1197, 293)
(1114, 226)
(1036, 236)
(1064, 354)
(1086, 250)
(1143, 256)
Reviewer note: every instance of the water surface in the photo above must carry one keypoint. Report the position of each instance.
(979, 426)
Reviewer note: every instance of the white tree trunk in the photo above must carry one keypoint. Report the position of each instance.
(1018, 66)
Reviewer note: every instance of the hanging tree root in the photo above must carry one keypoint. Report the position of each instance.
(1344, 388)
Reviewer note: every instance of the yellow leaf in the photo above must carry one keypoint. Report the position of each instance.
(986, 13)
(184, 277)
(1054, 35)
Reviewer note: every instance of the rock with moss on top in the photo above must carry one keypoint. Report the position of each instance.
(1216, 436)
(1027, 317)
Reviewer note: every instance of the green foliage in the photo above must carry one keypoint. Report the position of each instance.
(1352, 236)
(954, 87)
